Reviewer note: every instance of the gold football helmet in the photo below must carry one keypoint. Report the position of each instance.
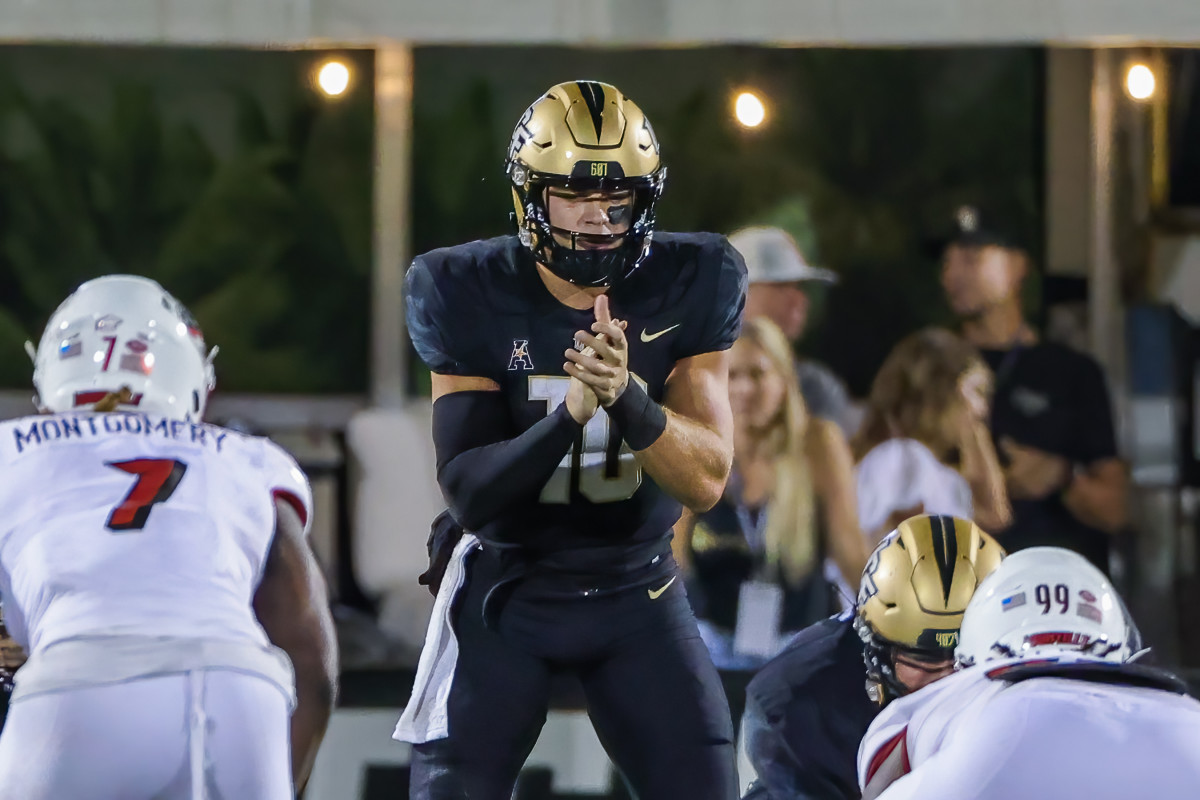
(914, 591)
(585, 136)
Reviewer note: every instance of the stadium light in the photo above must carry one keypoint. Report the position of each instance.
(1139, 82)
(749, 109)
(333, 77)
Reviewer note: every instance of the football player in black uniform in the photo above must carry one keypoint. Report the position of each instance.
(809, 707)
(579, 385)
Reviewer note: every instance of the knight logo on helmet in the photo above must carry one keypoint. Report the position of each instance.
(913, 593)
(584, 137)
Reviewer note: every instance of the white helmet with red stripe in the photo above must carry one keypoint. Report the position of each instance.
(124, 331)
(1046, 602)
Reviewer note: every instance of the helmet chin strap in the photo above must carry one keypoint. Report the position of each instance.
(883, 686)
(877, 692)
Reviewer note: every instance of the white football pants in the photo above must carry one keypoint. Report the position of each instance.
(204, 735)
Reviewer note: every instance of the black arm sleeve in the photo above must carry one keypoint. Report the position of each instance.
(482, 467)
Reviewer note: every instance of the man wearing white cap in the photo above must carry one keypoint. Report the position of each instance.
(777, 273)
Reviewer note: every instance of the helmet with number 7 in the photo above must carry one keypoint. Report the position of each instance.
(123, 331)
(1046, 602)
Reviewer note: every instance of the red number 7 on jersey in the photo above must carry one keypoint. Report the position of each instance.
(157, 479)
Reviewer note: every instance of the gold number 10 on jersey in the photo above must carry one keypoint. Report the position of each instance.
(606, 471)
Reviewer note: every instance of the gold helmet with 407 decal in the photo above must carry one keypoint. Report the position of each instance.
(1047, 602)
(123, 332)
(914, 590)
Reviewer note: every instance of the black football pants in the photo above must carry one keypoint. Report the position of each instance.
(653, 695)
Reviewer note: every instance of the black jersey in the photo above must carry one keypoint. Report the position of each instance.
(806, 712)
(480, 309)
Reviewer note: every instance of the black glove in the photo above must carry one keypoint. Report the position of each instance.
(444, 534)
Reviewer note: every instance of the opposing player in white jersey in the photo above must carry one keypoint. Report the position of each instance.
(1050, 703)
(156, 570)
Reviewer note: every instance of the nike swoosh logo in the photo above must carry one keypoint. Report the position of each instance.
(650, 337)
(655, 595)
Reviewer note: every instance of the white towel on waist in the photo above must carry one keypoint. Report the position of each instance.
(424, 718)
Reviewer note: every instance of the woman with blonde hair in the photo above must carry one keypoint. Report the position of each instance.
(754, 561)
(924, 444)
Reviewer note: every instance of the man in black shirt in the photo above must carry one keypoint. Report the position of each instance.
(1051, 415)
(809, 707)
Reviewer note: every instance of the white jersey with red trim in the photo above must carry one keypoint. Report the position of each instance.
(977, 735)
(132, 524)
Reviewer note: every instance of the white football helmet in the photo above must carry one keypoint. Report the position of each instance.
(1046, 602)
(123, 330)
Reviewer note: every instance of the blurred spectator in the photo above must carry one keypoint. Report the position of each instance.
(789, 503)
(778, 272)
(1051, 417)
(924, 446)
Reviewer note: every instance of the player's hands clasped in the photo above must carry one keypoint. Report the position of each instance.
(603, 363)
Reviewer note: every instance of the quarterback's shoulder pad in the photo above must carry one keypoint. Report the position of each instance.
(447, 294)
(285, 480)
(717, 290)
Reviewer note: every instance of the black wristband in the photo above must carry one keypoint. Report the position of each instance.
(640, 419)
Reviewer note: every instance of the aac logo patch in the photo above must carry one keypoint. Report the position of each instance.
(520, 356)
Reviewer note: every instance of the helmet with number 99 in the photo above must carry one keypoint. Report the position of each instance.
(1047, 602)
(914, 591)
(585, 136)
(123, 331)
